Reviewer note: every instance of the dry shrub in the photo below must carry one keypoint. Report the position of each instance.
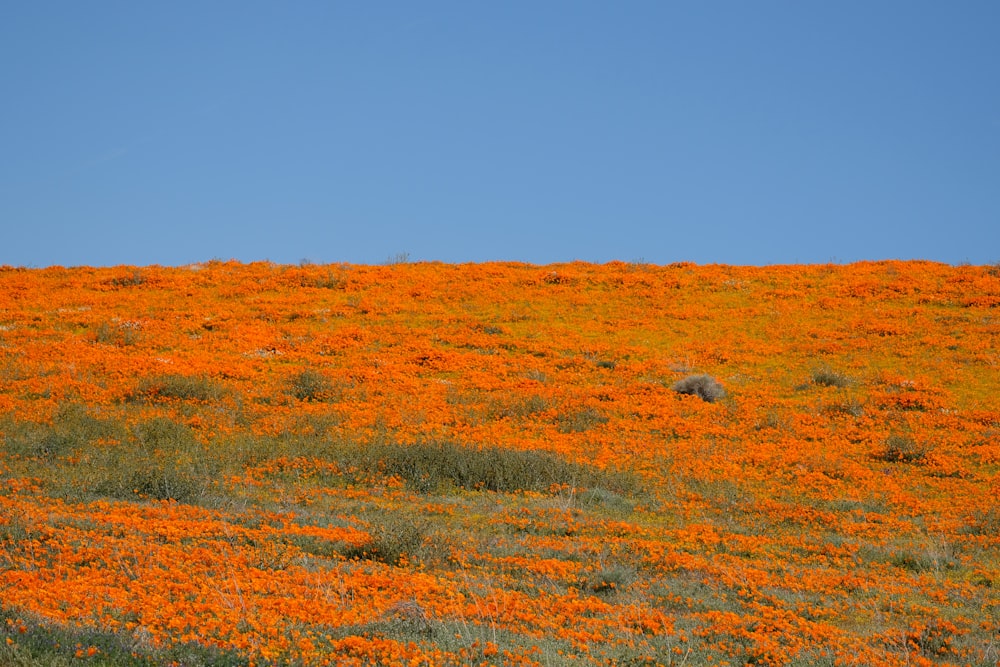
(703, 386)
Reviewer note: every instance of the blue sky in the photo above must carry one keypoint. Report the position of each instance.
(544, 131)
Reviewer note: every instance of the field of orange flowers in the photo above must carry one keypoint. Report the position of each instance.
(434, 464)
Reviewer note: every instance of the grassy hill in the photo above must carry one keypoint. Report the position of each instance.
(432, 464)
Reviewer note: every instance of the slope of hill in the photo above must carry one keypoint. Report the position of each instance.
(492, 464)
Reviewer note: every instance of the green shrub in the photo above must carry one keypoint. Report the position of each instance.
(983, 522)
(133, 279)
(334, 280)
(849, 406)
(827, 377)
(611, 579)
(43, 644)
(903, 449)
(151, 479)
(516, 408)
(395, 538)
(120, 335)
(180, 387)
(934, 639)
(580, 420)
(72, 428)
(703, 386)
(310, 385)
(162, 460)
(163, 434)
(428, 467)
(599, 497)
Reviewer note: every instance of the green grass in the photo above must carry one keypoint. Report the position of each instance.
(179, 387)
(311, 385)
(827, 377)
(579, 421)
(901, 448)
(79, 456)
(31, 642)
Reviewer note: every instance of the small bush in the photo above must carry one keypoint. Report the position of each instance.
(598, 497)
(71, 429)
(510, 407)
(152, 480)
(903, 449)
(580, 420)
(310, 385)
(179, 387)
(429, 467)
(394, 539)
(983, 522)
(334, 280)
(410, 617)
(703, 386)
(850, 406)
(826, 377)
(162, 460)
(120, 335)
(163, 434)
(27, 641)
(611, 579)
(537, 376)
(133, 279)
(935, 638)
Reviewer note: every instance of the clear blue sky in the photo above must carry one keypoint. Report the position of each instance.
(540, 131)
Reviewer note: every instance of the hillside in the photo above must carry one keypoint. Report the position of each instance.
(491, 464)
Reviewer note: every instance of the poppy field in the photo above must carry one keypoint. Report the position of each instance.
(500, 464)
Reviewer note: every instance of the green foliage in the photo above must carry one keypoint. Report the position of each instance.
(179, 387)
(827, 377)
(609, 500)
(158, 460)
(120, 335)
(333, 280)
(71, 430)
(984, 522)
(85, 455)
(517, 408)
(579, 421)
(395, 538)
(703, 386)
(161, 461)
(133, 279)
(611, 579)
(316, 546)
(27, 642)
(433, 466)
(311, 385)
(151, 479)
(934, 639)
(901, 448)
(848, 406)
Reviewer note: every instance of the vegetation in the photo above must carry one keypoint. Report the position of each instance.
(703, 386)
(500, 464)
(828, 377)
